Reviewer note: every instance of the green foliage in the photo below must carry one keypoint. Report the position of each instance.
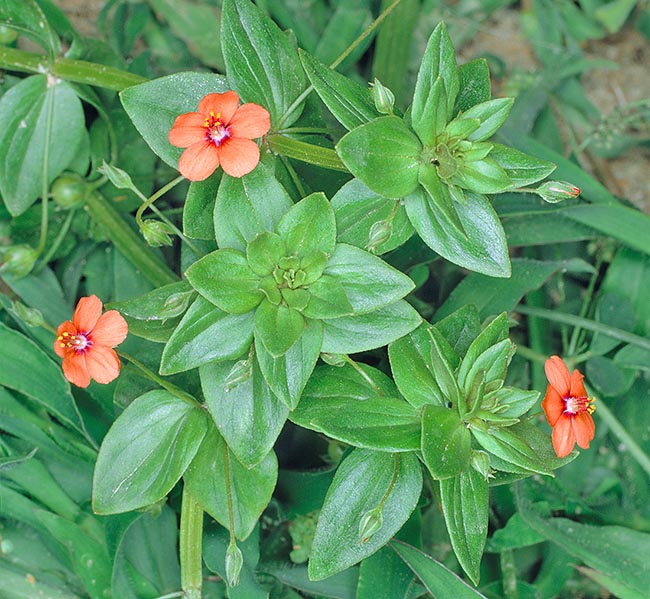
(338, 357)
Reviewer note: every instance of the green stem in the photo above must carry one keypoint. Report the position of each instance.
(150, 200)
(231, 511)
(300, 150)
(79, 71)
(152, 376)
(618, 430)
(531, 355)
(63, 231)
(190, 546)
(127, 241)
(508, 574)
(585, 323)
(575, 334)
(46, 158)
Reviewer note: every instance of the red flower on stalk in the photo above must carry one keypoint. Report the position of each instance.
(220, 133)
(567, 407)
(85, 343)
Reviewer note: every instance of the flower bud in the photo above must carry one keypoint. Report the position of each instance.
(370, 523)
(557, 191)
(69, 190)
(176, 304)
(7, 35)
(380, 232)
(383, 97)
(234, 563)
(18, 260)
(30, 316)
(156, 233)
(121, 179)
(238, 374)
(481, 463)
(333, 359)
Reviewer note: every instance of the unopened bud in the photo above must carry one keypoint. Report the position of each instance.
(370, 523)
(18, 260)
(383, 97)
(156, 233)
(238, 374)
(69, 190)
(380, 232)
(481, 463)
(557, 191)
(234, 564)
(121, 179)
(333, 359)
(30, 316)
(176, 304)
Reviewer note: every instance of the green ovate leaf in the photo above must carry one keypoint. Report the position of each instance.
(146, 451)
(410, 362)
(350, 102)
(328, 299)
(384, 154)
(264, 253)
(353, 334)
(206, 334)
(378, 422)
(363, 481)
(153, 106)
(437, 578)
(251, 488)
(247, 413)
(26, 142)
(439, 60)
(224, 278)
(484, 249)
(431, 119)
(521, 168)
(277, 327)
(288, 374)
(261, 61)
(28, 18)
(483, 176)
(358, 209)
(309, 226)
(491, 114)
(465, 503)
(199, 207)
(369, 282)
(460, 328)
(446, 442)
(248, 206)
(474, 84)
(440, 198)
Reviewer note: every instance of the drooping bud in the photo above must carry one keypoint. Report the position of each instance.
(239, 373)
(333, 359)
(383, 97)
(121, 179)
(481, 463)
(17, 260)
(557, 191)
(234, 564)
(30, 316)
(176, 304)
(370, 523)
(156, 233)
(380, 232)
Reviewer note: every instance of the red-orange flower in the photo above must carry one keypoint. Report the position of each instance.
(220, 133)
(86, 343)
(567, 407)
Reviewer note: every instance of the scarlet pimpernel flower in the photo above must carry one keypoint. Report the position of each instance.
(86, 343)
(220, 133)
(567, 407)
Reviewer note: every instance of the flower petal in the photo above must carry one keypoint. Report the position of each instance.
(583, 429)
(111, 329)
(87, 313)
(563, 437)
(577, 387)
(199, 161)
(74, 369)
(64, 327)
(103, 364)
(239, 157)
(558, 375)
(553, 405)
(225, 105)
(188, 129)
(250, 121)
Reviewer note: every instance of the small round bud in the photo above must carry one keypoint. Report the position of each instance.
(557, 191)
(7, 35)
(30, 316)
(176, 304)
(370, 523)
(333, 359)
(69, 190)
(234, 564)
(380, 232)
(17, 260)
(383, 97)
(156, 233)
